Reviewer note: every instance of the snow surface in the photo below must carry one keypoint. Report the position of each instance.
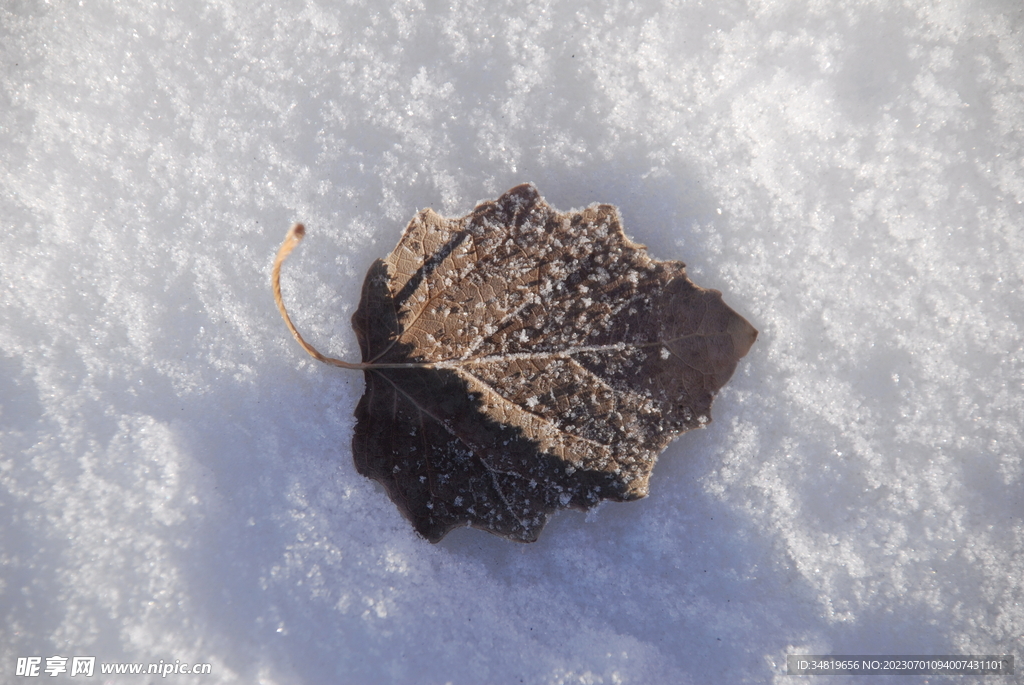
(176, 476)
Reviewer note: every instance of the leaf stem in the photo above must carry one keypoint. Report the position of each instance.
(291, 241)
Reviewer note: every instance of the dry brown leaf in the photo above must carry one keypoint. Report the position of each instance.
(520, 360)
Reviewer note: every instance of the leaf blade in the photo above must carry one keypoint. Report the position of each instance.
(558, 360)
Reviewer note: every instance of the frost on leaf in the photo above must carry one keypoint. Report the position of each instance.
(520, 360)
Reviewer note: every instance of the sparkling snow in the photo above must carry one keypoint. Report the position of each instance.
(176, 481)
